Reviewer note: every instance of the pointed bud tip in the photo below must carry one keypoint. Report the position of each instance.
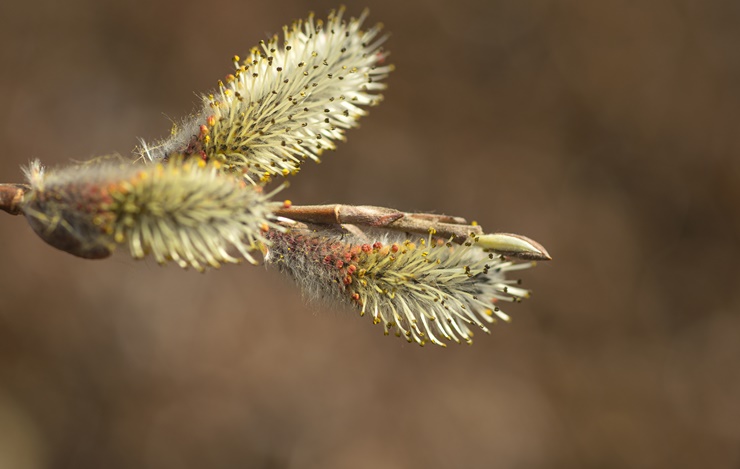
(514, 245)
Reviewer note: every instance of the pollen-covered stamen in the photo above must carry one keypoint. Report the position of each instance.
(186, 211)
(425, 290)
(288, 100)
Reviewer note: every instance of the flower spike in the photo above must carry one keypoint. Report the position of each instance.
(286, 102)
(423, 289)
(190, 212)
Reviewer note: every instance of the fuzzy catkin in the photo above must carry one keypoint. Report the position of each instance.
(188, 211)
(287, 101)
(422, 289)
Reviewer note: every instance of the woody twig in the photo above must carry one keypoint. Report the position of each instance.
(11, 196)
(444, 226)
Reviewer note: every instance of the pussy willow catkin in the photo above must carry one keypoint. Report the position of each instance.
(187, 211)
(422, 289)
(287, 101)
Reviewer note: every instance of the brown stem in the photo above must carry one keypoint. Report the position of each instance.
(366, 215)
(381, 217)
(11, 196)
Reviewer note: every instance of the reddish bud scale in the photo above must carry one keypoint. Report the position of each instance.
(73, 218)
(195, 148)
(338, 261)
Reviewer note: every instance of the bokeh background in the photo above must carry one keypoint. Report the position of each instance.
(607, 130)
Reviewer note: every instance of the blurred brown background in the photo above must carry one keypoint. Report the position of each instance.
(607, 130)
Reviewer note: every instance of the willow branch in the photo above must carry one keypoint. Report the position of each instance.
(11, 196)
(444, 226)
(352, 216)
